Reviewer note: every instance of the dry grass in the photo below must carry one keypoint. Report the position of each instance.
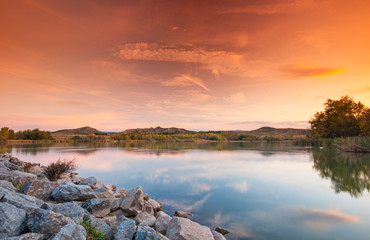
(55, 169)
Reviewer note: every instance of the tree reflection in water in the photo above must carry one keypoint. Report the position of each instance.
(347, 172)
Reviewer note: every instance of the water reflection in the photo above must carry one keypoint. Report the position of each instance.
(347, 172)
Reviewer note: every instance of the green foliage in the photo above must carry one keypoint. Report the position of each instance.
(91, 232)
(55, 169)
(34, 134)
(7, 133)
(341, 118)
(353, 144)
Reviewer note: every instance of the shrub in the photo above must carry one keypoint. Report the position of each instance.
(55, 169)
(91, 232)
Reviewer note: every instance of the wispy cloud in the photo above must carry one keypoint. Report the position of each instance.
(242, 186)
(294, 71)
(214, 60)
(236, 98)
(185, 80)
(186, 206)
(321, 219)
(273, 7)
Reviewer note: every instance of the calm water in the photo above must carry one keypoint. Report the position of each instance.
(258, 191)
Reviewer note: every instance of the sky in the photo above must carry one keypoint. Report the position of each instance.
(199, 65)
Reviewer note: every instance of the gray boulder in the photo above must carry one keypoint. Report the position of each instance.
(125, 230)
(148, 208)
(144, 232)
(145, 218)
(7, 185)
(40, 188)
(71, 210)
(46, 222)
(120, 193)
(16, 177)
(115, 203)
(109, 220)
(97, 207)
(12, 220)
(157, 206)
(134, 202)
(91, 181)
(104, 193)
(68, 191)
(117, 222)
(183, 214)
(71, 231)
(100, 226)
(161, 224)
(218, 236)
(27, 236)
(184, 229)
(22, 201)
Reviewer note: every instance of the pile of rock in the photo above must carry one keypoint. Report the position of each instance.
(32, 207)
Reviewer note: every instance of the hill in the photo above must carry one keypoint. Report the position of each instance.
(263, 131)
(158, 130)
(78, 131)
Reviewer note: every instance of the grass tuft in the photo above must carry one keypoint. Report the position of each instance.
(91, 232)
(55, 169)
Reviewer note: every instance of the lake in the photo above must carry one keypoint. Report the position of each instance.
(256, 190)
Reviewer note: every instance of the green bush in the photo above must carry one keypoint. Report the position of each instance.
(91, 232)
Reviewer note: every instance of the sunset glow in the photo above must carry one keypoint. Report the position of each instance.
(199, 65)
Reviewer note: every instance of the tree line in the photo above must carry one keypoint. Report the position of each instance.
(35, 134)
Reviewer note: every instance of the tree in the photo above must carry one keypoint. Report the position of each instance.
(341, 118)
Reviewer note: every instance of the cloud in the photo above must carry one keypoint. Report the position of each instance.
(199, 187)
(184, 205)
(306, 72)
(242, 186)
(274, 7)
(185, 80)
(197, 96)
(214, 60)
(236, 98)
(70, 102)
(321, 219)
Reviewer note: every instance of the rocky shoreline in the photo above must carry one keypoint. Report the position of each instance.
(33, 207)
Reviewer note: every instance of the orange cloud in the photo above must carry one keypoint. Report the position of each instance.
(236, 98)
(185, 80)
(305, 72)
(213, 60)
(73, 102)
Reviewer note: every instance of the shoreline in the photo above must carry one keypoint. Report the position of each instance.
(76, 205)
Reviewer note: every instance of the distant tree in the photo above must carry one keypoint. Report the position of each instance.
(6, 133)
(341, 118)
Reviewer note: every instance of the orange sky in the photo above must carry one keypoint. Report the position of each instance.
(201, 65)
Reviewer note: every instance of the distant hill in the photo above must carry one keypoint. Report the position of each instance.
(77, 131)
(263, 131)
(172, 130)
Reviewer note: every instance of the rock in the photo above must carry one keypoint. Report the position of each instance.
(109, 220)
(46, 222)
(75, 179)
(3, 191)
(114, 204)
(100, 226)
(117, 222)
(157, 206)
(22, 201)
(125, 230)
(145, 218)
(7, 185)
(71, 210)
(110, 187)
(218, 236)
(144, 232)
(68, 191)
(40, 188)
(120, 193)
(185, 229)
(221, 230)
(161, 224)
(16, 177)
(118, 213)
(148, 208)
(71, 231)
(12, 220)
(162, 236)
(97, 207)
(104, 193)
(133, 203)
(41, 176)
(27, 236)
(98, 185)
(183, 214)
(91, 181)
